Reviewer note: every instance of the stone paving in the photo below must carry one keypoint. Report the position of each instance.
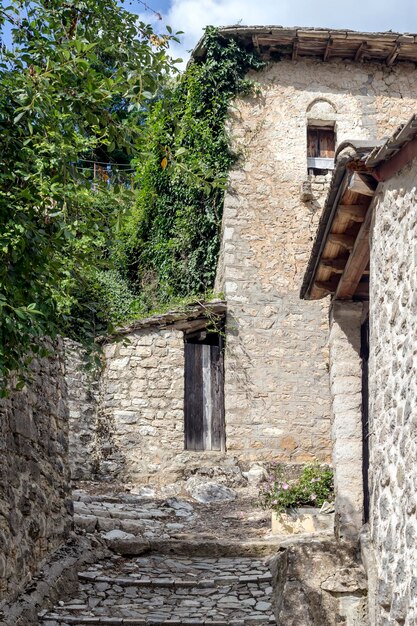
(172, 587)
(159, 589)
(171, 518)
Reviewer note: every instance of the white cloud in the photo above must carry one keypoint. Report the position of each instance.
(192, 16)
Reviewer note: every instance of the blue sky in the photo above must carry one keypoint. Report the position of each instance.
(367, 15)
(192, 16)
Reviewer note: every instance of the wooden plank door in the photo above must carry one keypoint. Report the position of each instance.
(193, 404)
(217, 399)
(204, 399)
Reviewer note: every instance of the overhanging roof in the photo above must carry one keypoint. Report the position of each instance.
(186, 318)
(339, 261)
(394, 144)
(275, 42)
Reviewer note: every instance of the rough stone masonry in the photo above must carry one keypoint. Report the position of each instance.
(277, 399)
(276, 368)
(35, 501)
(392, 388)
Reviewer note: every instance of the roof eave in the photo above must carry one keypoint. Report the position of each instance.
(347, 154)
(389, 47)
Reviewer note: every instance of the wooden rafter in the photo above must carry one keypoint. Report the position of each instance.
(295, 46)
(328, 49)
(357, 262)
(335, 265)
(362, 290)
(328, 286)
(255, 42)
(358, 185)
(354, 212)
(360, 52)
(392, 57)
(345, 241)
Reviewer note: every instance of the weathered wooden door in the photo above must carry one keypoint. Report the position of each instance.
(204, 397)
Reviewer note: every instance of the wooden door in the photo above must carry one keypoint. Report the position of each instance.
(204, 397)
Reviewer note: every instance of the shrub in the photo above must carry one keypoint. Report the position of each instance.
(312, 488)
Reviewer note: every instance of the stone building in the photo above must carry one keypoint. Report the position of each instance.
(322, 93)
(218, 389)
(318, 89)
(364, 255)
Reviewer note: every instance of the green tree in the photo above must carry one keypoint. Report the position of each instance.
(74, 82)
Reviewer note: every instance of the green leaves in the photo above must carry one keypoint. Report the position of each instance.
(313, 487)
(168, 244)
(67, 84)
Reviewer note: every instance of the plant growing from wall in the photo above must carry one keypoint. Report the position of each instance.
(169, 244)
(313, 487)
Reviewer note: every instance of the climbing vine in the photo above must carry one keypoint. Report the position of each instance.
(169, 244)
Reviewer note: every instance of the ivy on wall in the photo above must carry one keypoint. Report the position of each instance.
(169, 244)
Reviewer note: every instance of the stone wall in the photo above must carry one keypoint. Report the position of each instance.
(276, 368)
(140, 428)
(318, 582)
(82, 385)
(140, 421)
(35, 505)
(346, 388)
(392, 407)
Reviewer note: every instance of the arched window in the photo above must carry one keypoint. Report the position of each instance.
(321, 136)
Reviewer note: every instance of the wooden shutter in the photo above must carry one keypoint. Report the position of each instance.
(326, 143)
(312, 143)
(204, 398)
(320, 143)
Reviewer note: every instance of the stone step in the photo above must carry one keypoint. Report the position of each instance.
(67, 620)
(144, 581)
(169, 589)
(153, 604)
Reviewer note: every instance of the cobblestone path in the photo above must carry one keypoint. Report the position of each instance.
(170, 518)
(175, 590)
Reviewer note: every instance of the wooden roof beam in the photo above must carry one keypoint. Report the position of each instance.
(344, 241)
(357, 262)
(295, 46)
(360, 52)
(362, 290)
(354, 212)
(329, 286)
(358, 185)
(337, 266)
(392, 57)
(328, 49)
(256, 45)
